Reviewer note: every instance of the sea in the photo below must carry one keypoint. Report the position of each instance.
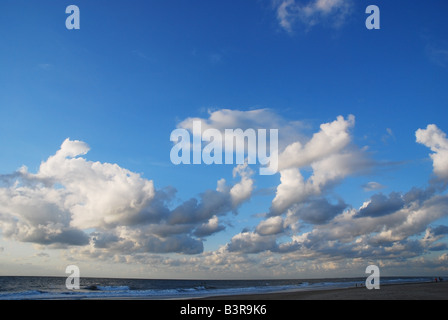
(42, 288)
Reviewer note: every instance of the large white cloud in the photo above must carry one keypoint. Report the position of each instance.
(330, 139)
(331, 156)
(436, 140)
(97, 194)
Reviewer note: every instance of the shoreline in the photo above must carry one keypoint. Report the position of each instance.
(405, 291)
(387, 291)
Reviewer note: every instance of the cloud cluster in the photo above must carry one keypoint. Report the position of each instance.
(304, 224)
(399, 234)
(70, 195)
(102, 211)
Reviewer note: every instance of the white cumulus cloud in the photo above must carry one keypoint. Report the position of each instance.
(436, 140)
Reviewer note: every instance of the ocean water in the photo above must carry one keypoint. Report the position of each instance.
(40, 288)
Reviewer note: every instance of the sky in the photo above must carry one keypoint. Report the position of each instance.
(86, 116)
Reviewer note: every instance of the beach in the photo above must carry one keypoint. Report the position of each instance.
(408, 291)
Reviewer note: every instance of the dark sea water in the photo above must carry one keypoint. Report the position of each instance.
(38, 288)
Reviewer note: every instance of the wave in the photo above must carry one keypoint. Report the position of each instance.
(107, 288)
(117, 291)
(104, 292)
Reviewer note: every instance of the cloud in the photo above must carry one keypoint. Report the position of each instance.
(331, 138)
(435, 139)
(251, 242)
(103, 212)
(319, 211)
(312, 12)
(372, 186)
(284, 15)
(223, 119)
(177, 243)
(434, 234)
(270, 226)
(440, 230)
(380, 204)
(393, 227)
(226, 119)
(387, 226)
(70, 195)
(242, 190)
(292, 189)
(208, 228)
(97, 194)
(34, 213)
(254, 135)
(331, 156)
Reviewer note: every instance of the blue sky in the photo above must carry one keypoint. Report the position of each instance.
(133, 73)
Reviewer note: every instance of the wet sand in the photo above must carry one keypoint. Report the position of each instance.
(410, 291)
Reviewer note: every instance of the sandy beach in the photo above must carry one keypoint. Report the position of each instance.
(411, 291)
